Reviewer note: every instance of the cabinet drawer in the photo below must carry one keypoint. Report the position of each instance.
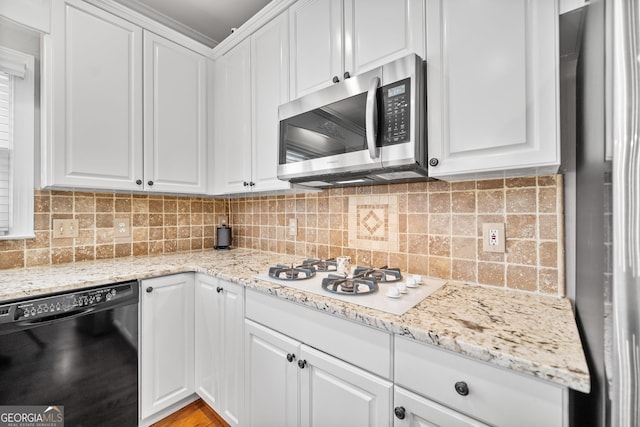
(495, 395)
(357, 344)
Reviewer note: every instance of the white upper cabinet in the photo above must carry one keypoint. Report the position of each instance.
(251, 81)
(174, 117)
(316, 45)
(93, 90)
(269, 89)
(492, 88)
(380, 31)
(232, 112)
(332, 37)
(95, 99)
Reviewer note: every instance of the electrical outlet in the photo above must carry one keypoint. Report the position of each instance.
(65, 228)
(493, 237)
(293, 227)
(121, 228)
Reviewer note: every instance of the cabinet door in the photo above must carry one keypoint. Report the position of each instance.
(232, 143)
(270, 88)
(492, 85)
(412, 410)
(271, 379)
(219, 346)
(94, 91)
(167, 343)
(231, 352)
(333, 392)
(207, 339)
(175, 120)
(316, 45)
(380, 31)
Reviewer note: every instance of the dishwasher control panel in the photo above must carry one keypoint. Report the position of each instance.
(56, 305)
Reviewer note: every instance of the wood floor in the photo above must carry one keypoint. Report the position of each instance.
(196, 414)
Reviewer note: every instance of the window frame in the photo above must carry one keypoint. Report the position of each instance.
(21, 158)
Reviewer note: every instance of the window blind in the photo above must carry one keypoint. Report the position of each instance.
(6, 105)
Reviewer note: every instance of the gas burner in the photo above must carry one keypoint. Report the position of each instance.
(285, 272)
(320, 264)
(349, 286)
(382, 274)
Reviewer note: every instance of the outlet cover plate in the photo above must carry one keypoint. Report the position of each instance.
(493, 237)
(121, 228)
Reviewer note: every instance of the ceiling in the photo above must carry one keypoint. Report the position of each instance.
(208, 21)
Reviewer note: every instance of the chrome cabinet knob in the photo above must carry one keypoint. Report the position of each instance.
(462, 388)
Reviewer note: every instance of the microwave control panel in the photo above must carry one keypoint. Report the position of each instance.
(396, 112)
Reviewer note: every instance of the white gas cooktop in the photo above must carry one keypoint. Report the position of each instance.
(378, 300)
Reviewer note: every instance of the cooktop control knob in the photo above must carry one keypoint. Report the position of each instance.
(18, 314)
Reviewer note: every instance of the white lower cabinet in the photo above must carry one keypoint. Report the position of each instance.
(412, 410)
(219, 349)
(271, 377)
(449, 385)
(167, 342)
(291, 383)
(334, 393)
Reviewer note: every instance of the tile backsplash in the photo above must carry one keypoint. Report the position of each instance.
(432, 228)
(159, 224)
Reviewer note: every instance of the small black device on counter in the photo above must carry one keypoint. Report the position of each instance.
(223, 237)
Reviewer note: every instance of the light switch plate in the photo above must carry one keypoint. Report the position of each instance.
(493, 237)
(65, 228)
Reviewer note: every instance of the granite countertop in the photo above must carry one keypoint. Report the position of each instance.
(532, 334)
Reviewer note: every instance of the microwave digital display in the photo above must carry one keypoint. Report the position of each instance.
(398, 90)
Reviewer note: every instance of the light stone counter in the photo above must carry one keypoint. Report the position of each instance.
(532, 334)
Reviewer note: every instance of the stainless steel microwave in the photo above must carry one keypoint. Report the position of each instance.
(367, 129)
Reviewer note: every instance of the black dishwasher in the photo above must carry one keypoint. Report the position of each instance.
(77, 349)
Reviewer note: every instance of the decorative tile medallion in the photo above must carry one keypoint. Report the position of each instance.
(373, 222)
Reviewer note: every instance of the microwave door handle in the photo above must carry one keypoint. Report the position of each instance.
(371, 118)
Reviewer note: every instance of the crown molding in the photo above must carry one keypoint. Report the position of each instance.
(153, 24)
(266, 14)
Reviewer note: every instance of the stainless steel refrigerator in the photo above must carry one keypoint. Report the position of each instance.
(601, 139)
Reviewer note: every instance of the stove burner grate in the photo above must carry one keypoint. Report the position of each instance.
(382, 274)
(348, 285)
(285, 272)
(321, 265)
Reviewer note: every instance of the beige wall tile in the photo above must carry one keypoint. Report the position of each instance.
(436, 228)
(464, 270)
(521, 200)
(490, 273)
(521, 277)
